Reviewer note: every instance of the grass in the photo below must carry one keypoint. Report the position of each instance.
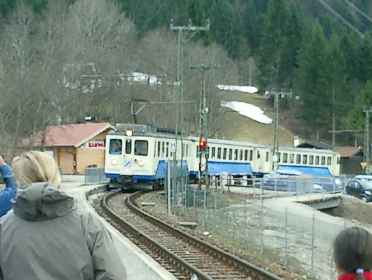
(241, 128)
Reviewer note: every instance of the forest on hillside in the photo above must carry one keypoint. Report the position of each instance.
(63, 60)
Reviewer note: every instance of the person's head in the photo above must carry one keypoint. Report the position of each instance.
(35, 166)
(353, 251)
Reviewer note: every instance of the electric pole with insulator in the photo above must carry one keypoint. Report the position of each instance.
(179, 81)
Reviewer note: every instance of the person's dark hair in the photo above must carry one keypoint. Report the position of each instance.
(353, 251)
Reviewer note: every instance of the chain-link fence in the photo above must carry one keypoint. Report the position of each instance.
(94, 175)
(255, 222)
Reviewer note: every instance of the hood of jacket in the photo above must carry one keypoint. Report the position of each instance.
(40, 201)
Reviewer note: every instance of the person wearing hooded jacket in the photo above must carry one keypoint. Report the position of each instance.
(8, 194)
(46, 236)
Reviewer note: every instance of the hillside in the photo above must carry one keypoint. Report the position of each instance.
(238, 127)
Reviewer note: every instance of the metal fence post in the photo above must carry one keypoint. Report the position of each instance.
(286, 235)
(312, 242)
(169, 189)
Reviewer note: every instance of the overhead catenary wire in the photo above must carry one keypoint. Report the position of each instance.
(341, 18)
(359, 11)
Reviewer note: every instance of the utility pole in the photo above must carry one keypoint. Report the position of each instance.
(275, 149)
(366, 136)
(179, 82)
(203, 125)
(333, 117)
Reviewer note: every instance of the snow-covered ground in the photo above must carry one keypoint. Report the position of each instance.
(248, 110)
(246, 89)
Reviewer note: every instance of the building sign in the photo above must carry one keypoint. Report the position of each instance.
(96, 144)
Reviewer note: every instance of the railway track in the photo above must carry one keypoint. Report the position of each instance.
(180, 253)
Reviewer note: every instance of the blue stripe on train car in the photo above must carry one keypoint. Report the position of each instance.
(112, 176)
(232, 168)
(318, 171)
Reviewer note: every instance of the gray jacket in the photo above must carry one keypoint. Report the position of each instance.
(47, 238)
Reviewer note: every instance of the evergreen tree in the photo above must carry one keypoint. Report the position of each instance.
(313, 78)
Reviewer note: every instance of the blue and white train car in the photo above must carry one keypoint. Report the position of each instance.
(233, 157)
(141, 158)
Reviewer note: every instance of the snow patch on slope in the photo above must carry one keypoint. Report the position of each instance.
(248, 110)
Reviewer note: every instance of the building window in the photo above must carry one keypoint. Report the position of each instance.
(267, 156)
(241, 155)
(236, 154)
(116, 146)
(230, 154)
(224, 153)
(166, 149)
(250, 155)
(246, 155)
(258, 155)
(128, 146)
(219, 153)
(162, 149)
(187, 150)
(141, 147)
(158, 149)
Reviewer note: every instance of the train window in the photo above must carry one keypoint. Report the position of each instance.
(166, 149)
(224, 153)
(236, 154)
(116, 146)
(311, 159)
(285, 157)
(323, 160)
(241, 155)
(230, 154)
(141, 147)
(258, 155)
(298, 158)
(317, 160)
(267, 156)
(329, 161)
(162, 149)
(291, 158)
(250, 155)
(213, 152)
(304, 159)
(246, 155)
(128, 146)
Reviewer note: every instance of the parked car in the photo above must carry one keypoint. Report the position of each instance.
(292, 180)
(360, 188)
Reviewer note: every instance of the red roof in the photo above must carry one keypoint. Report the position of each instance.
(68, 135)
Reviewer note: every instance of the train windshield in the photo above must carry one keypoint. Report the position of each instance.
(141, 148)
(116, 146)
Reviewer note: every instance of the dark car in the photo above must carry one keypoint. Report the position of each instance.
(360, 188)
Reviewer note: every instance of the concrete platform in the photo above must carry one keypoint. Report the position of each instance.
(138, 264)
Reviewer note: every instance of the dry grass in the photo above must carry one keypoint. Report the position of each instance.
(241, 128)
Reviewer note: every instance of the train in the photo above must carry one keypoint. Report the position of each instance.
(134, 156)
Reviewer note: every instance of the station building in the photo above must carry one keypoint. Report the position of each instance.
(74, 146)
